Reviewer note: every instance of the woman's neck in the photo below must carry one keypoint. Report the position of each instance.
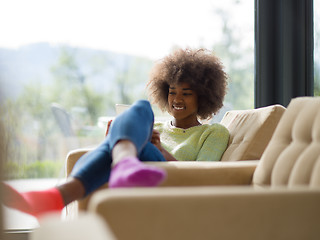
(185, 124)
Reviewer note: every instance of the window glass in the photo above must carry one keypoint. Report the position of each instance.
(316, 9)
(65, 64)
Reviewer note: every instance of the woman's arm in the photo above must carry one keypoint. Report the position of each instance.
(155, 140)
(215, 144)
(167, 155)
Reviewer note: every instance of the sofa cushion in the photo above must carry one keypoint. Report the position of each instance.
(292, 157)
(250, 131)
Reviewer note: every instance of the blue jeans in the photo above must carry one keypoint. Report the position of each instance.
(135, 124)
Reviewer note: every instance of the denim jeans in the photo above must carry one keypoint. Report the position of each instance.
(135, 124)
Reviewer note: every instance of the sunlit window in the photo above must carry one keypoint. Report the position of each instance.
(65, 64)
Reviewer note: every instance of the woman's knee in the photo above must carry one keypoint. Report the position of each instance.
(143, 107)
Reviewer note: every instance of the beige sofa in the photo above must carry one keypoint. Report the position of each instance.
(279, 197)
(250, 132)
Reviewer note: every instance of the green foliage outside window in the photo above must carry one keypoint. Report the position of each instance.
(37, 147)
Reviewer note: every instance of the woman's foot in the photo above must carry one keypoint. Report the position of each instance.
(131, 172)
(35, 203)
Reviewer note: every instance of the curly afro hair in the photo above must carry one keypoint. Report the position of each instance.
(199, 68)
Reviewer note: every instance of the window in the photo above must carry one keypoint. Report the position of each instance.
(66, 63)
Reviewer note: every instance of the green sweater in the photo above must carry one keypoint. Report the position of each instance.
(200, 143)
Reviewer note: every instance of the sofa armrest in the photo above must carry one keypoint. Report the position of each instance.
(207, 173)
(210, 213)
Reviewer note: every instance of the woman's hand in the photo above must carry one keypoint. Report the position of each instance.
(108, 126)
(155, 140)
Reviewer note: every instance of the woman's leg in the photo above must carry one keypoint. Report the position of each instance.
(92, 170)
(129, 171)
(33, 202)
(135, 125)
(130, 136)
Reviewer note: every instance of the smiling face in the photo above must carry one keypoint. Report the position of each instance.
(183, 105)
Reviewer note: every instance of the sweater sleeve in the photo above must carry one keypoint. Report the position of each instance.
(214, 144)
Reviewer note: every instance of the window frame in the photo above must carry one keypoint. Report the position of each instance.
(284, 49)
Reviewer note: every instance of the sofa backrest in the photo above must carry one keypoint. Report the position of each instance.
(292, 157)
(250, 131)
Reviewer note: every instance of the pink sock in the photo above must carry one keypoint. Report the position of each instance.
(34, 202)
(130, 172)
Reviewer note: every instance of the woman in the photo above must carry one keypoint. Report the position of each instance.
(190, 85)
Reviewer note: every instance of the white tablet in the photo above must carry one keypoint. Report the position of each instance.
(120, 108)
